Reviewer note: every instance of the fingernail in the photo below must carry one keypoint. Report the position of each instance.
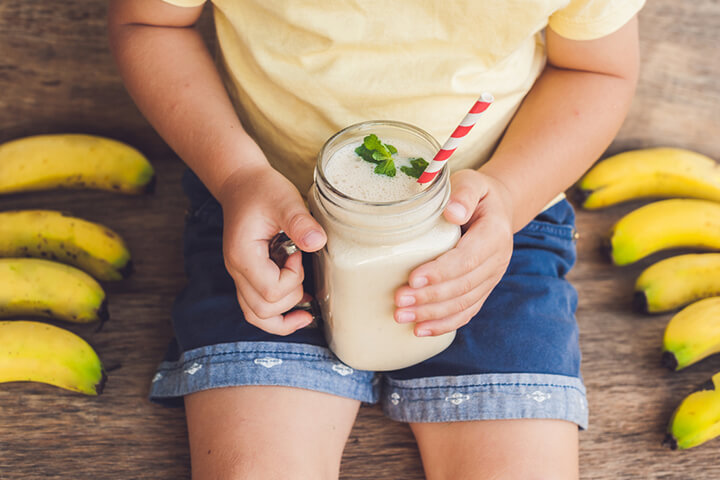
(313, 239)
(418, 282)
(456, 209)
(423, 333)
(405, 317)
(406, 301)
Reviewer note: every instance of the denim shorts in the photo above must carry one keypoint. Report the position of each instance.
(518, 358)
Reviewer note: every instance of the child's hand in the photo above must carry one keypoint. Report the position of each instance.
(449, 290)
(256, 206)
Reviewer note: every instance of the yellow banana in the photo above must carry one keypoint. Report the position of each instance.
(73, 161)
(38, 352)
(41, 288)
(663, 225)
(692, 334)
(677, 281)
(650, 172)
(53, 235)
(697, 419)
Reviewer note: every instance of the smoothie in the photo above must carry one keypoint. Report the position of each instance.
(379, 229)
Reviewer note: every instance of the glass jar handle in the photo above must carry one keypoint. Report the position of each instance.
(280, 248)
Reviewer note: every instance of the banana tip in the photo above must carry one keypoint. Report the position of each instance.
(709, 385)
(127, 269)
(150, 185)
(640, 302)
(670, 442)
(100, 386)
(580, 195)
(103, 312)
(669, 360)
(606, 250)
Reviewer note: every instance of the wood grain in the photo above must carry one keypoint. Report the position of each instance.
(56, 75)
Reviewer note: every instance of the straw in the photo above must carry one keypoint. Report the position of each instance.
(452, 143)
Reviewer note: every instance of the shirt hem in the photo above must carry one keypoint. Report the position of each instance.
(592, 29)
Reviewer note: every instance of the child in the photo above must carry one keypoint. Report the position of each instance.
(505, 399)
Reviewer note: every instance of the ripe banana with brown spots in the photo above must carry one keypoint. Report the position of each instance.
(45, 162)
(31, 287)
(52, 235)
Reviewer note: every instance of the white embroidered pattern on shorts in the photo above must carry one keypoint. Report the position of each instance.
(192, 369)
(538, 396)
(157, 377)
(342, 369)
(457, 398)
(395, 398)
(268, 362)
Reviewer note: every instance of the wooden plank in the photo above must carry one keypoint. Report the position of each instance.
(56, 75)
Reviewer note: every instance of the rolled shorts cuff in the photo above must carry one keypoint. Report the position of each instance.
(486, 397)
(261, 363)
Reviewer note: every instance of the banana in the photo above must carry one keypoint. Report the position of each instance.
(38, 352)
(677, 281)
(697, 419)
(663, 225)
(692, 334)
(48, 234)
(41, 288)
(650, 172)
(73, 161)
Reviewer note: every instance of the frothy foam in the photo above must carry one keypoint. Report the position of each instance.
(356, 178)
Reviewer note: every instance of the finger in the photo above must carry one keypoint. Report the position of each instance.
(255, 266)
(261, 308)
(277, 324)
(303, 318)
(302, 228)
(467, 188)
(406, 296)
(453, 306)
(479, 243)
(454, 263)
(449, 323)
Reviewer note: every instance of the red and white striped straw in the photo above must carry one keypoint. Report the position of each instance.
(452, 143)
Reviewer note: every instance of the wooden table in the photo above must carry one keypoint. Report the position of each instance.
(56, 75)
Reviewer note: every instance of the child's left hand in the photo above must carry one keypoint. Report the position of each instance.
(444, 294)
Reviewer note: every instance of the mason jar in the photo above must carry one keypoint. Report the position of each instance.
(371, 249)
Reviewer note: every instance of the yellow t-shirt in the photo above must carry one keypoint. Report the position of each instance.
(300, 70)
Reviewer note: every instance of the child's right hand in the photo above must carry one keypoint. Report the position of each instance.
(257, 204)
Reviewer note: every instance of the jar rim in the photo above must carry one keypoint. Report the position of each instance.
(435, 184)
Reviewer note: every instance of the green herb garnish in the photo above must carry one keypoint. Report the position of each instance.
(418, 167)
(374, 151)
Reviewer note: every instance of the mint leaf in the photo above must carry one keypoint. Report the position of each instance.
(372, 142)
(379, 156)
(418, 167)
(374, 151)
(386, 167)
(365, 154)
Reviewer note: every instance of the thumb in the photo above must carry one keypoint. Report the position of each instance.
(468, 187)
(302, 228)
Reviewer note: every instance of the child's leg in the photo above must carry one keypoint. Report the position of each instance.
(267, 432)
(499, 449)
